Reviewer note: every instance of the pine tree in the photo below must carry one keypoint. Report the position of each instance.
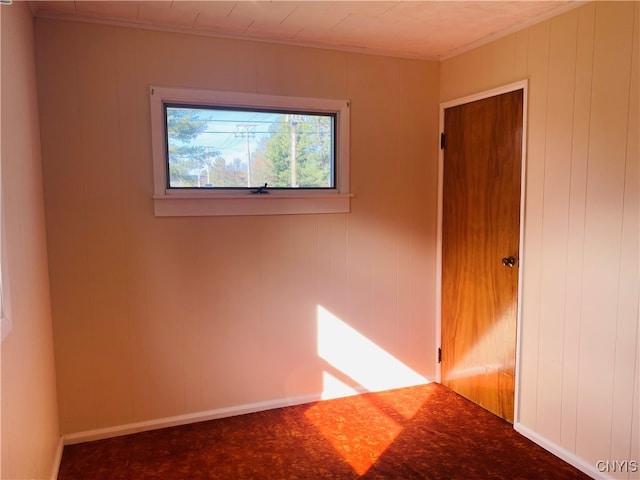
(186, 161)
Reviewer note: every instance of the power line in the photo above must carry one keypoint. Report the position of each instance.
(223, 132)
(248, 133)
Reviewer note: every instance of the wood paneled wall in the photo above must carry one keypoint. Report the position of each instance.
(156, 317)
(579, 376)
(29, 433)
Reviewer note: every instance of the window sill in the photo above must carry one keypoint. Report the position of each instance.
(233, 204)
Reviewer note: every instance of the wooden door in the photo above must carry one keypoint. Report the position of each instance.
(480, 243)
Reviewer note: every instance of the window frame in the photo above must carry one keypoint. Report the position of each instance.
(237, 201)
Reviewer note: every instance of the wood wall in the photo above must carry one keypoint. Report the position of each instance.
(29, 432)
(157, 317)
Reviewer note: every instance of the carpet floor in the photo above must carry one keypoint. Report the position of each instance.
(422, 432)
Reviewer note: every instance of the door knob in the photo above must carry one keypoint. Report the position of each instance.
(508, 262)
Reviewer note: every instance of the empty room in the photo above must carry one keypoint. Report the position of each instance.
(307, 240)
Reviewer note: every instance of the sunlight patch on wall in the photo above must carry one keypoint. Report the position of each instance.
(334, 388)
(362, 360)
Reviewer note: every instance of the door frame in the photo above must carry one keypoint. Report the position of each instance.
(520, 85)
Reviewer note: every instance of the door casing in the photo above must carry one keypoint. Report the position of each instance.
(520, 85)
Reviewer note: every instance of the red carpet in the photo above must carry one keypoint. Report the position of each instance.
(424, 432)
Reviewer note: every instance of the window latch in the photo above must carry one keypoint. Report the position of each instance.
(260, 190)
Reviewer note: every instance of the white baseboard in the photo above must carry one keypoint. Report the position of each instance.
(155, 424)
(57, 459)
(118, 430)
(562, 453)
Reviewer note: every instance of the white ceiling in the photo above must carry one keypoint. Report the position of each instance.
(414, 29)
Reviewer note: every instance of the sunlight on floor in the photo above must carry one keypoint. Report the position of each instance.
(360, 437)
(364, 433)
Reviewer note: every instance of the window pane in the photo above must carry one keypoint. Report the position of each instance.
(232, 148)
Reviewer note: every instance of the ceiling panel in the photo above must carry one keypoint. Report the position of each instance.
(114, 10)
(266, 18)
(161, 13)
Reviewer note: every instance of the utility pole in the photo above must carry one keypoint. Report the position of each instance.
(293, 121)
(247, 134)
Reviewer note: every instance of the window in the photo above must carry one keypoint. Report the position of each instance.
(226, 153)
(212, 147)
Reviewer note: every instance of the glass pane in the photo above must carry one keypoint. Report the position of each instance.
(231, 148)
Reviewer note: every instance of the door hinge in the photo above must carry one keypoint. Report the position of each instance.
(439, 355)
(442, 140)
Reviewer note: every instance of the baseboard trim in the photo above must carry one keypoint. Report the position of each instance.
(137, 427)
(57, 459)
(562, 453)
